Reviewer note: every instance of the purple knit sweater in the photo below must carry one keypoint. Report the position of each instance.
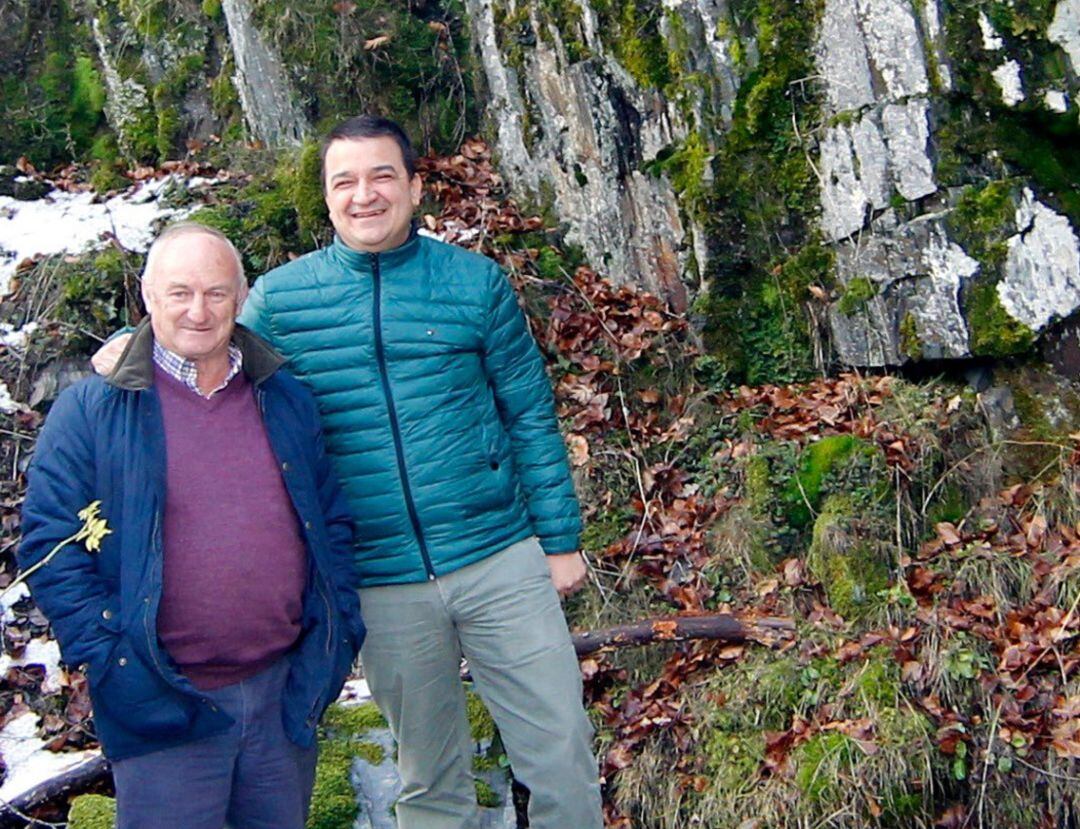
(235, 562)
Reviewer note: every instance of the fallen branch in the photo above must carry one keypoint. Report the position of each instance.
(63, 786)
(722, 626)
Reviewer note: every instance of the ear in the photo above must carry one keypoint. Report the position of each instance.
(241, 298)
(416, 189)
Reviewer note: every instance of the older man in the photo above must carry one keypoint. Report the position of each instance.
(220, 617)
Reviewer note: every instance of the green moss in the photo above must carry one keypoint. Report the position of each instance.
(92, 811)
(333, 800)
(485, 795)
(878, 683)
(759, 490)
(481, 725)
(803, 492)
(168, 129)
(821, 763)
(848, 566)
(857, 293)
(993, 332)
(733, 759)
(565, 16)
(212, 9)
(223, 96)
(354, 719)
(298, 175)
(420, 77)
(763, 203)
(910, 343)
(983, 218)
(150, 18)
(687, 166)
(950, 506)
(334, 803)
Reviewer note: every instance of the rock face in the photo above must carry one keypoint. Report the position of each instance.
(883, 209)
(581, 131)
(266, 95)
(576, 119)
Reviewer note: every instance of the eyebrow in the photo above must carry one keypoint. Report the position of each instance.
(349, 173)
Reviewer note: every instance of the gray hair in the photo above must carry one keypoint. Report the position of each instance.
(175, 231)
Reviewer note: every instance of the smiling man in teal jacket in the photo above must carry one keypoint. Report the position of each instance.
(439, 417)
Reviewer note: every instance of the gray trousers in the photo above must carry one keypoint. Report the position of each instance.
(251, 776)
(504, 616)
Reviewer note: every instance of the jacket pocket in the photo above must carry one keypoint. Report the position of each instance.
(133, 695)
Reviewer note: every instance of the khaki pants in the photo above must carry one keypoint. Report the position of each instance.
(503, 615)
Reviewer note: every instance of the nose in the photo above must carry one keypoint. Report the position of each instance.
(362, 193)
(197, 310)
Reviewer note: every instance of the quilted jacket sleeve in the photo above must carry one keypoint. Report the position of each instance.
(68, 589)
(526, 407)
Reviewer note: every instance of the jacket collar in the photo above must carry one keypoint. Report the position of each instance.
(356, 260)
(135, 369)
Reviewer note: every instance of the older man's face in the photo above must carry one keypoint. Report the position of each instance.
(370, 195)
(193, 296)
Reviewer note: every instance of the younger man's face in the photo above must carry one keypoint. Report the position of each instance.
(370, 195)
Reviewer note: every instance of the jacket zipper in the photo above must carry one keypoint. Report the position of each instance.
(380, 358)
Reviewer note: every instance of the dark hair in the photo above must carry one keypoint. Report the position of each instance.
(369, 126)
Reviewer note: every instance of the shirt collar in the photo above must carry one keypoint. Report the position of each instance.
(184, 370)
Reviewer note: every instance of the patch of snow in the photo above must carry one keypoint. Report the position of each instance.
(1056, 101)
(44, 652)
(355, 692)
(10, 598)
(1008, 78)
(27, 763)
(28, 228)
(991, 41)
(8, 404)
(15, 338)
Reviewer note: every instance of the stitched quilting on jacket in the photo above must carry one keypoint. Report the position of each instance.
(104, 440)
(437, 410)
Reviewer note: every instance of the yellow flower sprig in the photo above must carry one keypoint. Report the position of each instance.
(91, 533)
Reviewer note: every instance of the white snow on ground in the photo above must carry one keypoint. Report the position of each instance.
(14, 337)
(8, 404)
(27, 764)
(44, 652)
(71, 222)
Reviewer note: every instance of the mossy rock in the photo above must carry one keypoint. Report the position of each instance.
(849, 566)
(92, 811)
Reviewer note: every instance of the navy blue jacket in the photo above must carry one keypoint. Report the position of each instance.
(104, 440)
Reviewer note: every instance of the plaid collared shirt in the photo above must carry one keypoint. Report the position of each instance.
(184, 370)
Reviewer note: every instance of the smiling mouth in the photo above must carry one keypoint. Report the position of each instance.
(368, 214)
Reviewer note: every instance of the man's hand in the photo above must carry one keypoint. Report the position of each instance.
(106, 357)
(568, 572)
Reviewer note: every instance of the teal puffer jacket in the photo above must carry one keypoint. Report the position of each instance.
(435, 405)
